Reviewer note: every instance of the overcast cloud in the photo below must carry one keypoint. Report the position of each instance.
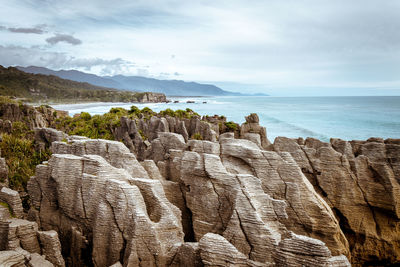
(38, 29)
(293, 47)
(69, 39)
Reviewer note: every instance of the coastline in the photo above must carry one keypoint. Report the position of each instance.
(348, 118)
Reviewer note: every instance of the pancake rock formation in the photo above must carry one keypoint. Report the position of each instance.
(190, 205)
(231, 199)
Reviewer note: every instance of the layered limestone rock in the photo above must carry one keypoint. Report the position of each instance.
(21, 258)
(42, 116)
(115, 153)
(108, 208)
(19, 245)
(360, 182)
(254, 132)
(236, 207)
(51, 247)
(44, 137)
(138, 134)
(3, 172)
(11, 197)
(103, 215)
(282, 179)
(239, 202)
(9, 258)
(150, 97)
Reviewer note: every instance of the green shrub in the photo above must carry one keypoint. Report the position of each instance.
(85, 116)
(20, 129)
(134, 110)
(21, 159)
(197, 136)
(147, 110)
(231, 126)
(168, 112)
(118, 111)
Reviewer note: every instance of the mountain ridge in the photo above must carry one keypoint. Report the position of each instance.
(50, 88)
(136, 83)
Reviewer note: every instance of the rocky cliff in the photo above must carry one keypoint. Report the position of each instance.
(231, 199)
(360, 182)
(149, 97)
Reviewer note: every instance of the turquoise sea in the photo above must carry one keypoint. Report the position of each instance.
(348, 118)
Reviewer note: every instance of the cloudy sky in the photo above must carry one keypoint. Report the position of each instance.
(291, 47)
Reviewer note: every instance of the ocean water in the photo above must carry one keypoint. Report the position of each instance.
(348, 118)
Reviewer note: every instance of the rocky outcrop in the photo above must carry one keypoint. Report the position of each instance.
(282, 179)
(33, 117)
(11, 259)
(11, 197)
(3, 172)
(20, 245)
(115, 153)
(254, 132)
(22, 258)
(360, 182)
(138, 134)
(44, 137)
(150, 97)
(109, 208)
(51, 247)
(99, 208)
(238, 201)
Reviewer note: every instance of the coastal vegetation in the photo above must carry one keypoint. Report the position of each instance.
(231, 126)
(102, 126)
(40, 88)
(18, 145)
(18, 149)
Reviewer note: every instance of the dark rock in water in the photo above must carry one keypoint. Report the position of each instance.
(176, 101)
(204, 102)
(190, 102)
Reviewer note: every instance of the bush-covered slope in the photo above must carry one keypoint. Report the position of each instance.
(48, 88)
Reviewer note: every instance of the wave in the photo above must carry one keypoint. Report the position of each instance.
(303, 132)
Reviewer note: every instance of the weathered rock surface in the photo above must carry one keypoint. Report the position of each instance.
(235, 202)
(109, 208)
(115, 153)
(282, 179)
(9, 258)
(19, 245)
(11, 197)
(3, 173)
(22, 233)
(360, 182)
(138, 134)
(33, 117)
(150, 97)
(102, 209)
(188, 254)
(51, 247)
(251, 129)
(44, 137)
